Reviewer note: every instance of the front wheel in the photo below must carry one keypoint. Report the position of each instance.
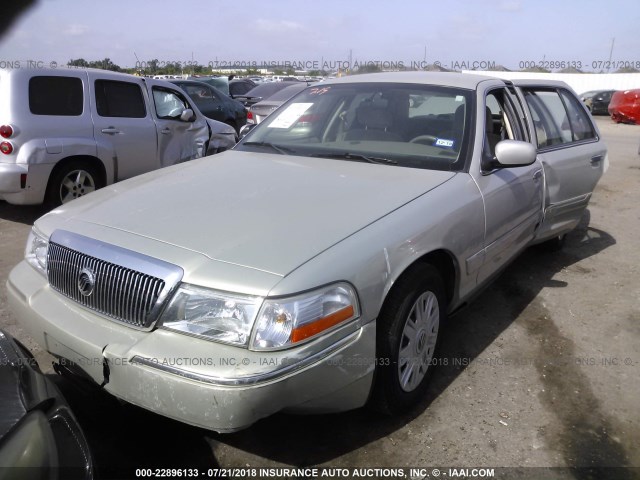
(409, 327)
(71, 181)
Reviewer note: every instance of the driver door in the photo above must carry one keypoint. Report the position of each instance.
(512, 196)
(179, 140)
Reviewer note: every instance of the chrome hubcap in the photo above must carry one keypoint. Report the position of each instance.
(76, 184)
(418, 341)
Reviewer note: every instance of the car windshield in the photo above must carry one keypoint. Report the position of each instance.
(419, 126)
(287, 93)
(267, 89)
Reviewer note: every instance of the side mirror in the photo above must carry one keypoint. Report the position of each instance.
(187, 115)
(514, 153)
(246, 129)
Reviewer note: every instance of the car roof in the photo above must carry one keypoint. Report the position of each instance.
(62, 71)
(449, 79)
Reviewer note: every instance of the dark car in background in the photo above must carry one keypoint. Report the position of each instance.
(264, 91)
(231, 88)
(259, 111)
(240, 86)
(587, 95)
(625, 106)
(221, 83)
(39, 436)
(213, 103)
(598, 103)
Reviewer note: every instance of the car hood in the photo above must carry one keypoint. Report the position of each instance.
(264, 211)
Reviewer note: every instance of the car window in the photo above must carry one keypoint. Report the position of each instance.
(501, 120)
(267, 89)
(202, 96)
(240, 88)
(119, 99)
(557, 119)
(169, 104)
(49, 95)
(418, 126)
(221, 83)
(287, 93)
(581, 126)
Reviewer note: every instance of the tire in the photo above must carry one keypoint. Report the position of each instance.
(71, 181)
(406, 342)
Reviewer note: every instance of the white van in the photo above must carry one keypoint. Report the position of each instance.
(65, 133)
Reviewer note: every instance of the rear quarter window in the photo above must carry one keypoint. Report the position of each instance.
(558, 117)
(61, 96)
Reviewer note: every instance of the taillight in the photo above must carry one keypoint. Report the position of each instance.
(6, 148)
(249, 115)
(6, 131)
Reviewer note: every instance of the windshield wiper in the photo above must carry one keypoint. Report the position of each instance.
(357, 157)
(278, 148)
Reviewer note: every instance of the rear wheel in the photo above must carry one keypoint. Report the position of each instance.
(409, 329)
(71, 181)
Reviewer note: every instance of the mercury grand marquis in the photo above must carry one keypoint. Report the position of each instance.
(311, 268)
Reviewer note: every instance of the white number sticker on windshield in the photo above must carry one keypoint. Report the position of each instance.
(443, 142)
(290, 115)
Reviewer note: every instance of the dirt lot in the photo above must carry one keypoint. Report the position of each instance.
(543, 369)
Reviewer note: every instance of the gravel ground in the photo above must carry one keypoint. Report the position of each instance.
(542, 370)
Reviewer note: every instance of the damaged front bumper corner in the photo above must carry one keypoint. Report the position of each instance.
(218, 387)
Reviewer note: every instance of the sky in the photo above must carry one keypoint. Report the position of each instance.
(211, 32)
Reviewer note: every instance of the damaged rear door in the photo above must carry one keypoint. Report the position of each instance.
(571, 151)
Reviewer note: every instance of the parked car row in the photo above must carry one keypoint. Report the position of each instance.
(213, 103)
(90, 128)
(622, 106)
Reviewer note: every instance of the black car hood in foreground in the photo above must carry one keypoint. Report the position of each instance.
(39, 436)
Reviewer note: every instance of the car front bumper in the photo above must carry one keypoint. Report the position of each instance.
(210, 385)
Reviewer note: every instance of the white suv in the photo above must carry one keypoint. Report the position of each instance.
(65, 133)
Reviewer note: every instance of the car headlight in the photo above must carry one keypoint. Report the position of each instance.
(36, 251)
(287, 321)
(212, 315)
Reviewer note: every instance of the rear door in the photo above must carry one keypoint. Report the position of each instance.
(572, 154)
(124, 127)
(178, 140)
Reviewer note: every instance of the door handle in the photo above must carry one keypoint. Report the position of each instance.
(537, 175)
(110, 130)
(595, 160)
(166, 131)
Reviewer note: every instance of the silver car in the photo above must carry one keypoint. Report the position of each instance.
(67, 132)
(259, 111)
(312, 267)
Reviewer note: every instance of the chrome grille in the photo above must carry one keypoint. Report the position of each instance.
(130, 295)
